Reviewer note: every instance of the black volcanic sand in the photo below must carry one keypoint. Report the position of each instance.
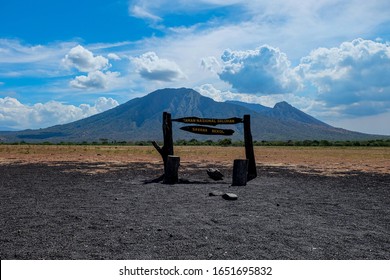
(62, 212)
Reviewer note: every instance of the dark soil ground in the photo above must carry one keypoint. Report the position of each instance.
(63, 211)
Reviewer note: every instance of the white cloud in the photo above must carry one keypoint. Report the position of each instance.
(23, 60)
(103, 104)
(84, 60)
(265, 70)
(142, 12)
(211, 64)
(95, 80)
(303, 103)
(219, 95)
(295, 27)
(350, 80)
(151, 67)
(97, 76)
(157, 9)
(113, 56)
(15, 115)
(13, 51)
(352, 77)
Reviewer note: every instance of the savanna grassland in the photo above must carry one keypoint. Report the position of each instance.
(327, 160)
(99, 202)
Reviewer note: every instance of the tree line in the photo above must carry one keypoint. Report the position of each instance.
(227, 142)
(298, 143)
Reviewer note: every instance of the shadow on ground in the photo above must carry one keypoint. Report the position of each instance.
(70, 211)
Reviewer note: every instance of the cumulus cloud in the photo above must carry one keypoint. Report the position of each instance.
(15, 115)
(211, 64)
(352, 77)
(349, 80)
(84, 60)
(223, 95)
(95, 80)
(97, 76)
(113, 56)
(265, 70)
(303, 103)
(210, 91)
(103, 104)
(151, 67)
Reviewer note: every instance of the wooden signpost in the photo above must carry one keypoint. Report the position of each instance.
(167, 149)
(249, 152)
(207, 130)
(204, 121)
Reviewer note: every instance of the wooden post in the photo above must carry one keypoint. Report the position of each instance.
(167, 148)
(172, 170)
(167, 133)
(249, 153)
(240, 172)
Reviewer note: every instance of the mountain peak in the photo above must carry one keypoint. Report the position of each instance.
(174, 91)
(286, 111)
(282, 105)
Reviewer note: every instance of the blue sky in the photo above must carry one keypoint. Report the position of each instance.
(65, 60)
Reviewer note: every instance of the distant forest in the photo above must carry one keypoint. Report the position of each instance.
(229, 143)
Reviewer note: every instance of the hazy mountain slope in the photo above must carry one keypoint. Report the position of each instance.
(282, 111)
(251, 106)
(141, 118)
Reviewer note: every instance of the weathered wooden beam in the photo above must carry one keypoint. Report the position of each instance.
(167, 148)
(240, 172)
(158, 148)
(167, 133)
(172, 170)
(249, 152)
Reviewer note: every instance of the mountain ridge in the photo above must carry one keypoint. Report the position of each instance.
(141, 119)
(282, 110)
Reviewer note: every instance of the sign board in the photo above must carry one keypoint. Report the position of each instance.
(207, 130)
(167, 150)
(205, 121)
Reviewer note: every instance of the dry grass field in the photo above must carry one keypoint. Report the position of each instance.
(98, 202)
(323, 160)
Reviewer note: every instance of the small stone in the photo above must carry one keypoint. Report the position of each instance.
(230, 196)
(215, 193)
(215, 174)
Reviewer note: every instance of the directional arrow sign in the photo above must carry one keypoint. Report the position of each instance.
(207, 130)
(206, 121)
